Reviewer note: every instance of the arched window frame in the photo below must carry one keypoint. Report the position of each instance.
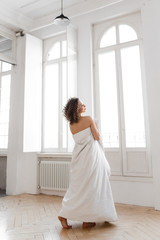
(48, 44)
(121, 155)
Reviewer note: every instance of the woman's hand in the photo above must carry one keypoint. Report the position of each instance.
(94, 130)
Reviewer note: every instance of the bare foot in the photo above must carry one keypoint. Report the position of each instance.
(64, 223)
(88, 224)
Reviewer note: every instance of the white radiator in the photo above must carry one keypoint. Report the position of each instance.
(54, 175)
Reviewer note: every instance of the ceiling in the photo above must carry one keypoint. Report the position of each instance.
(30, 15)
(38, 8)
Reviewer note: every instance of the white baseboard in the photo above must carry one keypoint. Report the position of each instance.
(134, 193)
(52, 192)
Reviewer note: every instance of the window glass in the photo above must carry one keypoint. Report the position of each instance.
(51, 106)
(126, 33)
(54, 53)
(108, 99)
(6, 67)
(109, 38)
(133, 97)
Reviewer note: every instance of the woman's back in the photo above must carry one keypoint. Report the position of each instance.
(83, 123)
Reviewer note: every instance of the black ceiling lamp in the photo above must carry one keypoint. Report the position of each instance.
(61, 20)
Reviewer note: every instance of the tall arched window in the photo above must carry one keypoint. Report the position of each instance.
(120, 94)
(119, 45)
(54, 95)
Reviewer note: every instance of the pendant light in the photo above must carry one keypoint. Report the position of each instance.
(61, 20)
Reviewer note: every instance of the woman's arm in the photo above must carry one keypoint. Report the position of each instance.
(94, 130)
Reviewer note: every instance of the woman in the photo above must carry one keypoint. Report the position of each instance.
(89, 197)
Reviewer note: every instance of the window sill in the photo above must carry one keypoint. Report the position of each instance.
(57, 155)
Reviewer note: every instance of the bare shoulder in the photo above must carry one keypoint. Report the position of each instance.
(88, 118)
(84, 122)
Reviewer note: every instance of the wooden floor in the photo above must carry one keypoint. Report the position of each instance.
(35, 217)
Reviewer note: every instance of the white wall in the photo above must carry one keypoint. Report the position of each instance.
(85, 65)
(21, 167)
(16, 120)
(140, 191)
(151, 36)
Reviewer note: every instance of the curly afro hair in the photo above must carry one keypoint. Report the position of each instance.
(71, 110)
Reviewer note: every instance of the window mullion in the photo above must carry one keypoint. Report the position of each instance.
(120, 107)
(42, 127)
(146, 121)
(97, 92)
(67, 79)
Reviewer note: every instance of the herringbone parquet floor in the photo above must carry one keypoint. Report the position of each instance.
(28, 217)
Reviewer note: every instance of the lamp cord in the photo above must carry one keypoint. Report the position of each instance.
(61, 6)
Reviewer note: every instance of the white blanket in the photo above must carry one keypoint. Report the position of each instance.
(89, 196)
